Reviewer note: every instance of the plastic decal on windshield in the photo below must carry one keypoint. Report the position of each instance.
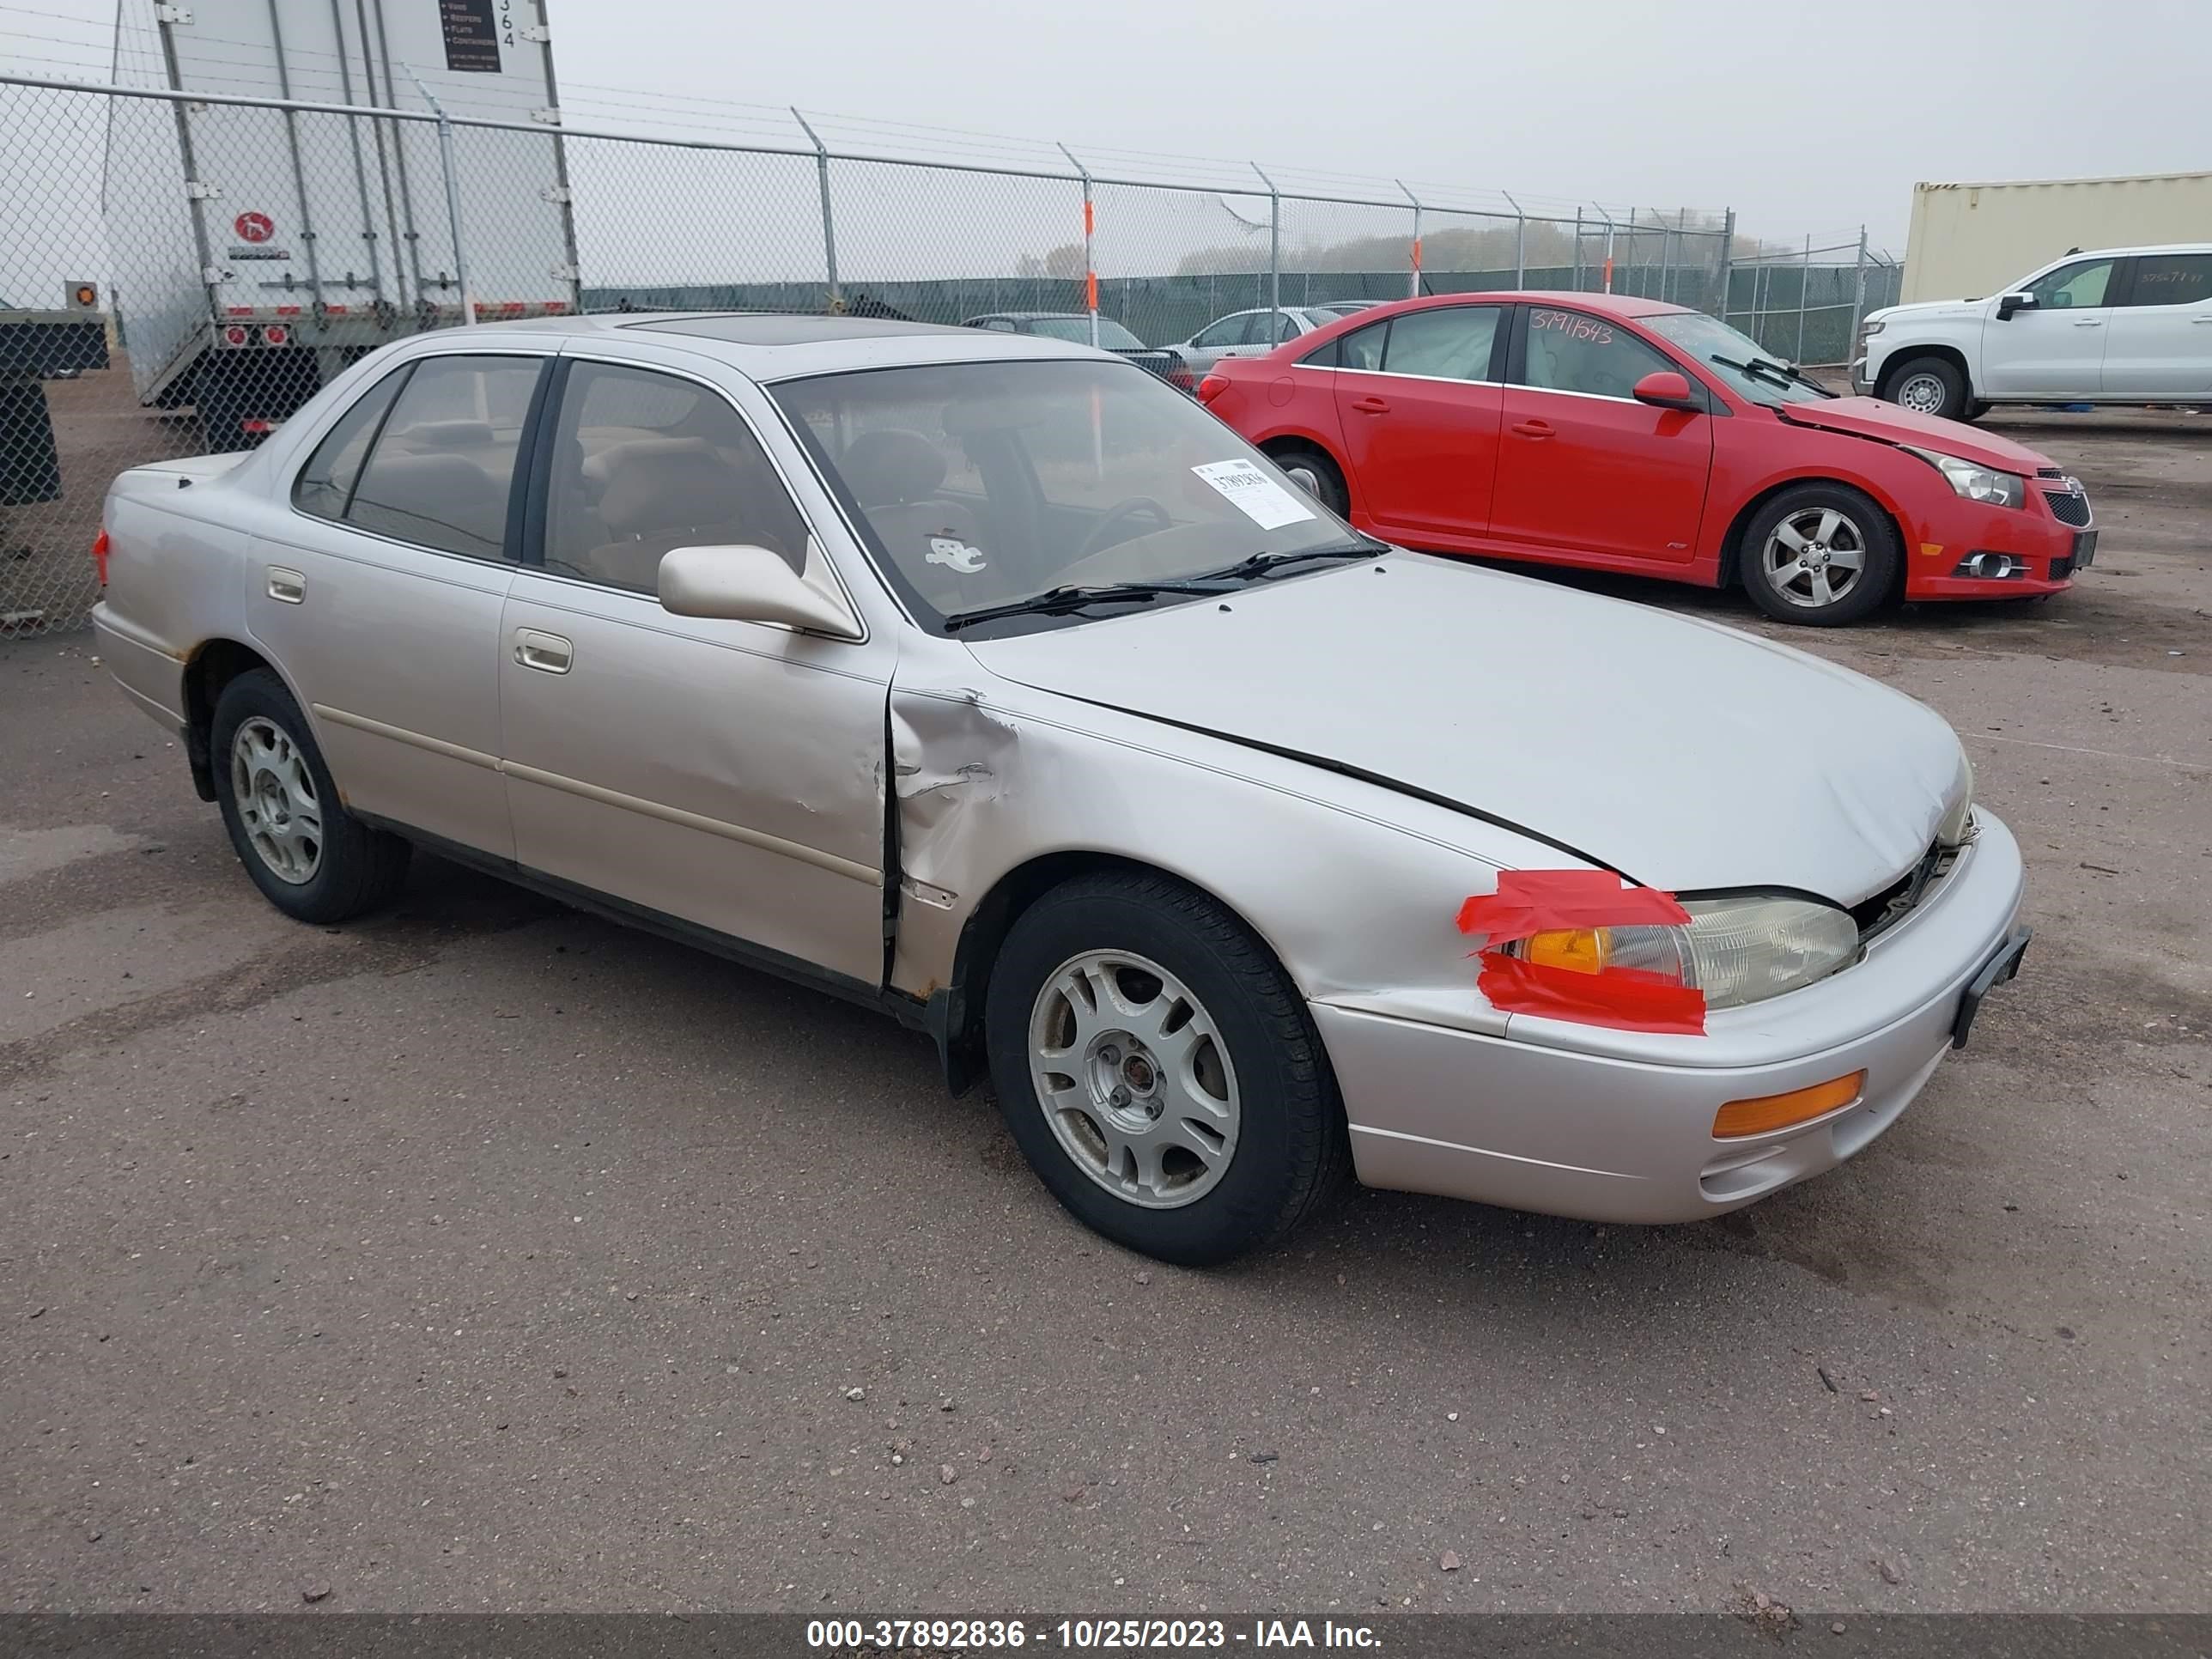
(1532, 902)
(951, 550)
(1253, 494)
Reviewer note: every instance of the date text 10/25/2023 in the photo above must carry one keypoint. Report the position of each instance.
(880, 1636)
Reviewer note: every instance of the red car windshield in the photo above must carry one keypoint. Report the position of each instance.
(1728, 353)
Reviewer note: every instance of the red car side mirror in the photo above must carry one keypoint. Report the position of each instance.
(1665, 389)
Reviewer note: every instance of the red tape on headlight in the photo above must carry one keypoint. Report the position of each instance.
(1532, 902)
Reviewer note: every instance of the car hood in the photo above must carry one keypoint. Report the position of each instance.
(1686, 756)
(1928, 311)
(1870, 417)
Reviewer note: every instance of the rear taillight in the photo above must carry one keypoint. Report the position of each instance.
(1212, 387)
(100, 556)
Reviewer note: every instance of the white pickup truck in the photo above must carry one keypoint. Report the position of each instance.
(2119, 325)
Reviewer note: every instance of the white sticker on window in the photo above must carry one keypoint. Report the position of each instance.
(1253, 494)
(949, 550)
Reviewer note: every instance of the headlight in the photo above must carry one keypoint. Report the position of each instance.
(1958, 821)
(1733, 949)
(1868, 329)
(1977, 483)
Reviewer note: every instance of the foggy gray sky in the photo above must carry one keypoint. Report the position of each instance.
(1803, 117)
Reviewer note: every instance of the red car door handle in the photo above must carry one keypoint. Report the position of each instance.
(1370, 406)
(1533, 429)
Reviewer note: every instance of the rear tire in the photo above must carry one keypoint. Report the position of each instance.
(1928, 386)
(1303, 462)
(1820, 555)
(1159, 1071)
(310, 857)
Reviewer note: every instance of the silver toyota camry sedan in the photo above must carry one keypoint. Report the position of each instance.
(987, 681)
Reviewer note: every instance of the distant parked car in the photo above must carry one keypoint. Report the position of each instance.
(1075, 326)
(1622, 433)
(2120, 325)
(1250, 333)
(1345, 308)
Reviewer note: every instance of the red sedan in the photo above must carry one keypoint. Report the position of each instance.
(1626, 434)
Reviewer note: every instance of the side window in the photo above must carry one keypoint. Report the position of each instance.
(1286, 328)
(1363, 347)
(2172, 279)
(1574, 351)
(2070, 287)
(1321, 356)
(1453, 344)
(443, 467)
(644, 463)
(325, 483)
(1228, 331)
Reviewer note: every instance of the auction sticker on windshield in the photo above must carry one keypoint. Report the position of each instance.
(1253, 494)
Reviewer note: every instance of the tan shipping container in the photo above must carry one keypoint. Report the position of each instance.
(1968, 241)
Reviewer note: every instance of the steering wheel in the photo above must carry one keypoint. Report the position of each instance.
(1114, 514)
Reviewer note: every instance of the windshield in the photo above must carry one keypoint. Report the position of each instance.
(1706, 338)
(977, 485)
(1111, 334)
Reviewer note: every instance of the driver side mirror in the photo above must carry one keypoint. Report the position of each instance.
(1665, 389)
(2011, 302)
(754, 584)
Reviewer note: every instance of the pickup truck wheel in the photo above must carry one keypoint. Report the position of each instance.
(310, 857)
(1820, 553)
(1317, 474)
(1159, 1071)
(1928, 386)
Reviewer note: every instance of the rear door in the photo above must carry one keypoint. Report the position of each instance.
(2159, 343)
(1583, 468)
(2056, 348)
(381, 597)
(1417, 400)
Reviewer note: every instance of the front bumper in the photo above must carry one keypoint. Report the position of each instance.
(2043, 552)
(1616, 1126)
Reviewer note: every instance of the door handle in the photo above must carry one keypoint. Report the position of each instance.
(2202, 321)
(2088, 322)
(287, 587)
(1533, 429)
(1370, 406)
(549, 653)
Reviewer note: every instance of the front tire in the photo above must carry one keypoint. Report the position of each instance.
(1928, 386)
(1822, 554)
(310, 857)
(1158, 1070)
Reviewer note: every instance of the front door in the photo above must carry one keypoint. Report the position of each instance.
(1417, 402)
(2159, 343)
(2054, 349)
(726, 773)
(383, 593)
(1583, 467)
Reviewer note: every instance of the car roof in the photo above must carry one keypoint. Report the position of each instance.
(1037, 316)
(773, 346)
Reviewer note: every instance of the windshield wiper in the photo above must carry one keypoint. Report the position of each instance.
(1074, 598)
(1777, 373)
(1260, 563)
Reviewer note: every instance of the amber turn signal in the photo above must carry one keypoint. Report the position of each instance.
(1767, 1113)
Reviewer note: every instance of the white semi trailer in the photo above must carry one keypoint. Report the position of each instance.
(256, 251)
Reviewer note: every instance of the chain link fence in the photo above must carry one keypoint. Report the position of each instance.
(1804, 304)
(179, 271)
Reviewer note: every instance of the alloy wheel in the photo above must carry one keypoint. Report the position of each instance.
(276, 803)
(1815, 557)
(1131, 1074)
